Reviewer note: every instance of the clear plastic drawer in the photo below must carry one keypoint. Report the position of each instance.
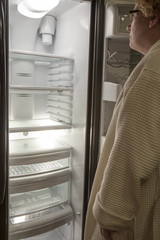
(33, 201)
(24, 170)
(64, 232)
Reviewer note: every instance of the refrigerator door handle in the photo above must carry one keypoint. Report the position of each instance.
(3, 108)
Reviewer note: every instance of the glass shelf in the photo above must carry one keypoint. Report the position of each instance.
(36, 56)
(35, 125)
(37, 89)
(36, 150)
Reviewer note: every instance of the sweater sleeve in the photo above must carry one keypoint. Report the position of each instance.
(134, 156)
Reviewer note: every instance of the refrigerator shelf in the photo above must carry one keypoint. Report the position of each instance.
(38, 181)
(38, 158)
(40, 222)
(36, 125)
(37, 147)
(38, 89)
(36, 56)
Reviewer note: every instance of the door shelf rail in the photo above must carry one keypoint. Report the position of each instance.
(40, 222)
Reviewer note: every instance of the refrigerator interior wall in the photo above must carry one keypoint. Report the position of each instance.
(48, 95)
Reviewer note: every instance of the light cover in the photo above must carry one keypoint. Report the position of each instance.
(36, 8)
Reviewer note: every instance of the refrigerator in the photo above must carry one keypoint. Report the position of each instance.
(62, 70)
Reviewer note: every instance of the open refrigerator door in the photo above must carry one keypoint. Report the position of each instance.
(119, 58)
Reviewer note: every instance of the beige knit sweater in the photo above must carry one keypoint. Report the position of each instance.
(125, 196)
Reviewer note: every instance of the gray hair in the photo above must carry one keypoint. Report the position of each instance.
(148, 7)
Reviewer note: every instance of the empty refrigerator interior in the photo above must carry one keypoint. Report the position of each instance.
(47, 115)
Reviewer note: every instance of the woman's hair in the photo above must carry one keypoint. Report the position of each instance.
(148, 7)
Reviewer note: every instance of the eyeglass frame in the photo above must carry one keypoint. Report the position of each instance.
(131, 12)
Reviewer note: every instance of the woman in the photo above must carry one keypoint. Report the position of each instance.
(125, 198)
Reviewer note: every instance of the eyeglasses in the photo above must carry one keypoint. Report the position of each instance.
(131, 14)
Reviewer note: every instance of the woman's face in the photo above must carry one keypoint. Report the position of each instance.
(138, 31)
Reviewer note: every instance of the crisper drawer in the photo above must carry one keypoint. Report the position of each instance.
(39, 181)
(26, 203)
(40, 222)
(35, 164)
(64, 232)
(37, 150)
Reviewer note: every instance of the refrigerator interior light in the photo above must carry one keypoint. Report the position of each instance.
(36, 8)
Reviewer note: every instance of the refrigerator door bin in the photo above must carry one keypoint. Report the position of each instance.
(38, 181)
(111, 91)
(40, 222)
